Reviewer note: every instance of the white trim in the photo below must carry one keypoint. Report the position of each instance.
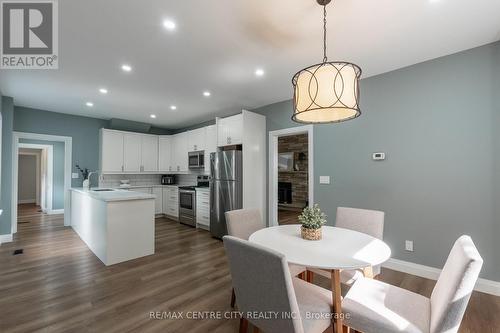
(482, 285)
(26, 201)
(68, 145)
(7, 238)
(55, 211)
(273, 167)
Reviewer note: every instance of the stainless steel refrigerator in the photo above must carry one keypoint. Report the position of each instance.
(226, 188)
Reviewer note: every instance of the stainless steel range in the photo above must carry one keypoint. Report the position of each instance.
(187, 201)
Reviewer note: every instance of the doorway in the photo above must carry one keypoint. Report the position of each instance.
(54, 175)
(35, 178)
(291, 180)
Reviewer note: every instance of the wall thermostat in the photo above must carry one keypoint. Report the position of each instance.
(378, 156)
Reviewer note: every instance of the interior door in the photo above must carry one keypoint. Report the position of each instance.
(149, 153)
(132, 144)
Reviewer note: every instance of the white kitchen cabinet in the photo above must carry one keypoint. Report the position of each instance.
(230, 130)
(180, 152)
(142, 189)
(171, 201)
(210, 145)
(132, 145)
(203, 208)
(196, 139)
(111, 151)
(165, 154)
(158, 193)
(149, 153)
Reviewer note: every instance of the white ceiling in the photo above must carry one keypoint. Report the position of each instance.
(218, 44)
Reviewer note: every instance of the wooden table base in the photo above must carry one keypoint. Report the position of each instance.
(337, 301)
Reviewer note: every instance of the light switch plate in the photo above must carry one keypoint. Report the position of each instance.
(324, 179)
(409, 245)
(75, 175)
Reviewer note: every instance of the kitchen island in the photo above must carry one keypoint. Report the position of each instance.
(117, 225)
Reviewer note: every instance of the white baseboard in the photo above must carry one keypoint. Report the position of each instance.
(26, 201)
(7, 238)
(55, 211)
(482, 285)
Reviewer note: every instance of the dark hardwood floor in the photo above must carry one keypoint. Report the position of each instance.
(286, 216)
(58, 285)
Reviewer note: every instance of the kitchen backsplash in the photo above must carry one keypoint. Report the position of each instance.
(108, 180)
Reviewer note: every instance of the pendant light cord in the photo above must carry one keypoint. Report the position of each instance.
(325, 59)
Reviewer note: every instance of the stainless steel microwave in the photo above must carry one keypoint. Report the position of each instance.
(196, 159)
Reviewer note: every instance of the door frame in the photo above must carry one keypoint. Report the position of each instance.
(68, 145)
(273, 166)
(45, 162)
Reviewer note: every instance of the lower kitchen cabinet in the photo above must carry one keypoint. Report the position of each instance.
(203, 209)
(158, 192)
(171, 201)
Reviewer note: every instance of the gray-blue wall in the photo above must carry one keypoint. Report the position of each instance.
(437, 124)
(6, 181)
(57, 172)
(83, 130)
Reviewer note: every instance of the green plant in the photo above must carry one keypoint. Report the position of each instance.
(312, 217)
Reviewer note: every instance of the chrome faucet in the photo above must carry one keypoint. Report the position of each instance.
(90, 174)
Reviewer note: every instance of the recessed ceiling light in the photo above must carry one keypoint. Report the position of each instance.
(103, 91)
(169, 25)
(259, 72)
(152, 116)
(173, 107)
(126, 68)
(206, 93)
(89, 104)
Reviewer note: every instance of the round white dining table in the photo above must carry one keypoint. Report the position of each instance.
(339, 249)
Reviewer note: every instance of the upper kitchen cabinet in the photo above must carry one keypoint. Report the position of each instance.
(165, 154)
(180, 152)
(149, 153)
(196, 139)
(132, 143)
(230, 130)
(128, 152)
(111, 157)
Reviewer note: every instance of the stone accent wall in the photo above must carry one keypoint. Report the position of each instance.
(299, 177)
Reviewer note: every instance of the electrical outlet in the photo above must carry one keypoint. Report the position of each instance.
(409, 245)
(75, 175)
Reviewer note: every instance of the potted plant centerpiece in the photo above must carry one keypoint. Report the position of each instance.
(312, 219)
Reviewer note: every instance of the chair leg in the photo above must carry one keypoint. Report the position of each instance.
(256, 329)
(301, 276)
(346, 329)
(233, 298)
(243, 325)
(310, 276)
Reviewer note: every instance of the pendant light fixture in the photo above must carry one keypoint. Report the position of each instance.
(327, 92)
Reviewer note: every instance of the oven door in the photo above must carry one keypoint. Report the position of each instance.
(187, 207)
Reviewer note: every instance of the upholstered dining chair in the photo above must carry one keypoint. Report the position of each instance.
(369, 222)
(374, 306)
(291, 304)
(242, 223)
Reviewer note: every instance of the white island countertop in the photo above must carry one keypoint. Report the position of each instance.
(113, 195)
